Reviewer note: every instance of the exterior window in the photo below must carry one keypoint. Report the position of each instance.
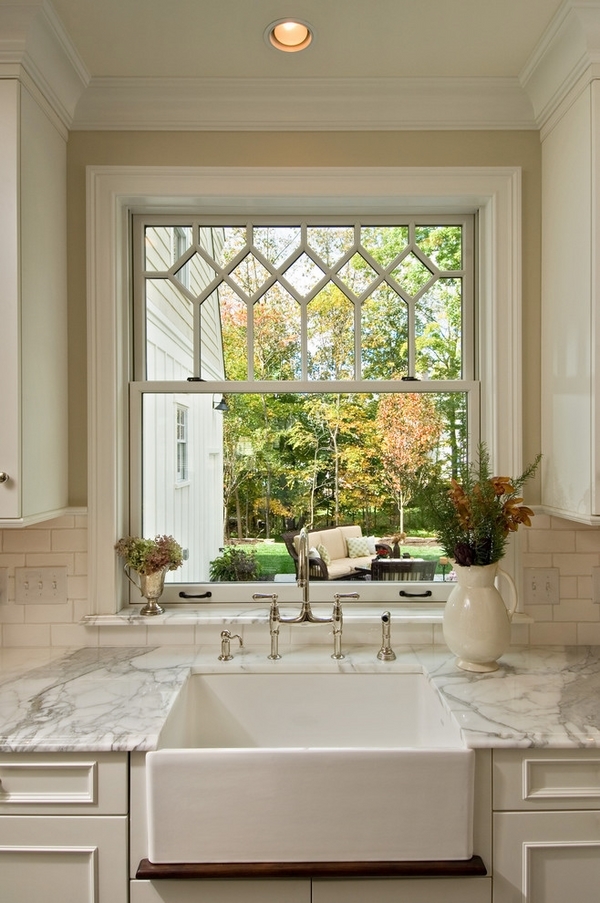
(181, 243)
(181, 443)
(346, 352)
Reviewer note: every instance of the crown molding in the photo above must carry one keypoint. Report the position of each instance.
(565, 60)
(35, 48)
(309, 104)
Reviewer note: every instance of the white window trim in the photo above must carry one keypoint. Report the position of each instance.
(114, 192)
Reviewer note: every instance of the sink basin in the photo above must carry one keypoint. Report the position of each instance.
(309, 768)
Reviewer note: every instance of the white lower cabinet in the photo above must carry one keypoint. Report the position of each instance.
(357, 890)
(546, 826)
(241, 891)
(402, 890)
(63, 828)
(547, 857)
(44, 859)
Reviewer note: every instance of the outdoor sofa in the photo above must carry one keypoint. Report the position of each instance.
(336, 553)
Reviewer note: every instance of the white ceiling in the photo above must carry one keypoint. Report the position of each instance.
(380, 38)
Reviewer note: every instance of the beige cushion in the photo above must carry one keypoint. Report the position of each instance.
(334, 542)
(340, 568)
(313, 540)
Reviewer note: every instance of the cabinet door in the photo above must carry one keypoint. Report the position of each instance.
(403, 890)
(9, 327)
(63, 859)
(272, 891)
(546, 857)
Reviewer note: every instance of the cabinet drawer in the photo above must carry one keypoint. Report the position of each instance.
(63, 783)
(546, 779)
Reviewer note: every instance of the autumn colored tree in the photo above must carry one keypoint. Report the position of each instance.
(410, 428)
(329, 457)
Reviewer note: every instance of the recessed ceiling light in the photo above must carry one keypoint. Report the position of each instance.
(289, 35)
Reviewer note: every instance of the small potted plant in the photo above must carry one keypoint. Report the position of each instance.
(150, 559)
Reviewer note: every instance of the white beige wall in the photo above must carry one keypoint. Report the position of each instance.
(572, 548)
(299, 149)
(551, 542)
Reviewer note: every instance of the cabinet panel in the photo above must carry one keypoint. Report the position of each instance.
(9, 333)
(546, 779)
(220, 892)
(404, 890)
(546, 857)
(66, 784)
(33, 333)
(82, 860)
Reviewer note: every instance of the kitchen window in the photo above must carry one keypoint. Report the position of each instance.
(491, 196)
(342, 318)
(181, 443)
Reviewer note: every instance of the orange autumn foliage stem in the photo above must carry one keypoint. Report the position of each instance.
(476, 512)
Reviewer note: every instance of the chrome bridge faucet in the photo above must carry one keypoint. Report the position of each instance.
(305, 614)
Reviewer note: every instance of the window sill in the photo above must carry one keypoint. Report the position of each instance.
(228, 614)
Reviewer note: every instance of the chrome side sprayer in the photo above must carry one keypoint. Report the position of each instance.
(386, 653)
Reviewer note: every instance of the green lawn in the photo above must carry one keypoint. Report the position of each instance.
(275, 559)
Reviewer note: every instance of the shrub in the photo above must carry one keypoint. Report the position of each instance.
(235, 564)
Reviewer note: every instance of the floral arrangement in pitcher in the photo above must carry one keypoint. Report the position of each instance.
(475, 513)
(149, 556)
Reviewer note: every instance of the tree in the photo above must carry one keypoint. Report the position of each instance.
(330, 457)
(410, 428)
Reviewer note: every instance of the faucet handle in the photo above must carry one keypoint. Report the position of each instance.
(272, 596)
(338, 596)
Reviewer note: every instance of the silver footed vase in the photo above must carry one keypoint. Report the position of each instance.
(151, 587)
(476, 619)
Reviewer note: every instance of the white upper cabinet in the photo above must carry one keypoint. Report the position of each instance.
(562, 82)
(33, 311)
(570, 299)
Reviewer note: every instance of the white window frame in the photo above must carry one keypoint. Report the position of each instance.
(182, 429)
(113, 193)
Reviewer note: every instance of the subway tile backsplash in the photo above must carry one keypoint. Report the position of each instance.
(574, 549)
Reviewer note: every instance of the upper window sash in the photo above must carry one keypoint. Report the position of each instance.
(380, 269)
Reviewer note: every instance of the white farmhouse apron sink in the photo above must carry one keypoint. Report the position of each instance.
(324, 767)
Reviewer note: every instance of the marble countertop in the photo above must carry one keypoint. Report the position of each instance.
(111, 698)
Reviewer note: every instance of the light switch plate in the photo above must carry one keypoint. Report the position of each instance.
(3, 585)
(541, 586)
(41, 584)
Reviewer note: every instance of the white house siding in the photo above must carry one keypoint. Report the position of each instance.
(190, 509)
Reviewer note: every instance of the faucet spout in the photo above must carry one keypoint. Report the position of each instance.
(303, 582)
(305, 615)
(303, 578)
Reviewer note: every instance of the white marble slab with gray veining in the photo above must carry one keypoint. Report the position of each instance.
(118, 698)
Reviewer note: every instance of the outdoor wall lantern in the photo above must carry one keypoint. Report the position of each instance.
(221, 405)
